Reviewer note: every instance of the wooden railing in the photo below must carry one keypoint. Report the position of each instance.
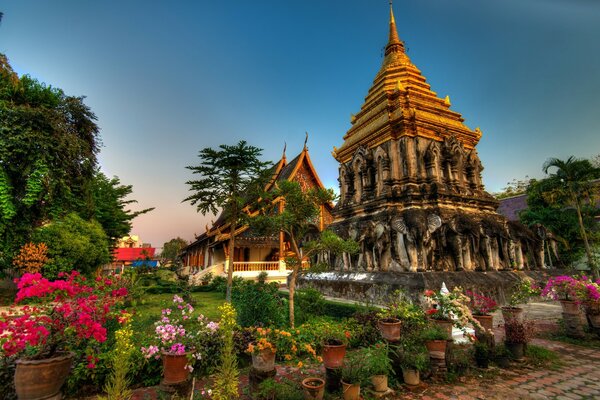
(250, 266)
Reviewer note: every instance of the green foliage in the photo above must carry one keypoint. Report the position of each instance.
(7, 373)
(172, 248)
(117, 385)
(49, 143)
(564, 202)
(377, 359)
(541, 357)
(415, 357)
(433, 332)
(258, 304)
(109, 206)
(73, 243)
(514, 188)
(355, 369)
(309, 303)
(286, 389)
(226, 379)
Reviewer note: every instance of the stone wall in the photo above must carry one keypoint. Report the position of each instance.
(374, 287)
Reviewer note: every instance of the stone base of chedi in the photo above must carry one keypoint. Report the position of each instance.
(439, 239)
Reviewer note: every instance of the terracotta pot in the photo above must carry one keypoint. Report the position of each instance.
(314, 388)
(446, 325)
(174, 370)
(380, 383)
(436, 348)
(570, 307)
(42, 379)
(351, 391)
(411, 376)
(486, 322)
(264, 360)
(512, 313)
(333, 355)
(390, 329)
(517, 350)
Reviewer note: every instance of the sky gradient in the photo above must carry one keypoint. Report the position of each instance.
(168, 78)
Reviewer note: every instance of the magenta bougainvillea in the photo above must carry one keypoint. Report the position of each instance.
(480, 304)
(73, 311)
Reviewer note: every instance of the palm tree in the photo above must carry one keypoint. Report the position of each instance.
(573, 184)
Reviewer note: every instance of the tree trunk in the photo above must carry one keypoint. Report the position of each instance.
(294, 274)
(230, 266)
(588, 252)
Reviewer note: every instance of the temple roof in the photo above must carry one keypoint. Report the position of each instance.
(401, 103)
(283, 170)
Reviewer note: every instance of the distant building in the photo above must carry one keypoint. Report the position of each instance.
(253, 253)
(132, 252)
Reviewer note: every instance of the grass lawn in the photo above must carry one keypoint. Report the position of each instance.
(148, 310)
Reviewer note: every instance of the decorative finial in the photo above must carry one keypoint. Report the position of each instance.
(447, 101)
(394, 43)
(305, 141)
(284, 148)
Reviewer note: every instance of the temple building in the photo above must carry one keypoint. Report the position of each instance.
(253, 253)
(411, 191)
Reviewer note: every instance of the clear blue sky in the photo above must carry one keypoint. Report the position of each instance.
(167, 78)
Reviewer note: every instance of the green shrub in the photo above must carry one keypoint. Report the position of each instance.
(219, 284)
(308, 303)
(258, 304)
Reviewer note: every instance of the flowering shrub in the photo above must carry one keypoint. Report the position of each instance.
(562, 288)
(276, 340)
(518, 331)
(72, 313)
(589, 296)
(480, 304)
(174, 332)
(452, 306)
(523, 291)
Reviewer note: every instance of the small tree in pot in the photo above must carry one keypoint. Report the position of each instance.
(517, 335)
(378, 365)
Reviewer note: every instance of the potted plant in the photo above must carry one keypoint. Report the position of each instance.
(263, 350)
(314, 388)
(452, 308)
(482, 308)
(522, 292)
(589, 296)
(435, 338)
(334, 348)
(354, 373)
(564, 289)
(414, 361)
(481, 352)
(502, 356)
(517, 335)
(378, 365)
(389, 325)
(174, 342)
(72, 313)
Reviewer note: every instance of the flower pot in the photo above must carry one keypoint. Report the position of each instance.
(174, 370)
(314, 388)
(570, 307)
(411, 376)
(486, 322)
(351, 391)
(333, 355)
(42, 379)
(390, 329)
(264, 360)
(482, 362)
(512, 313)
(436, 349)
(446, 325)
(517, 350)
(502, 361)
(380, 383)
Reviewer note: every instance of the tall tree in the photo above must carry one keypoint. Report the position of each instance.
(48, 147)
(226, 177)
(109, 202)
(573, 178)
(172, 248)
(297, 218)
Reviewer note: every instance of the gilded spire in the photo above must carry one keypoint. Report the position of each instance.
(394, 43)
